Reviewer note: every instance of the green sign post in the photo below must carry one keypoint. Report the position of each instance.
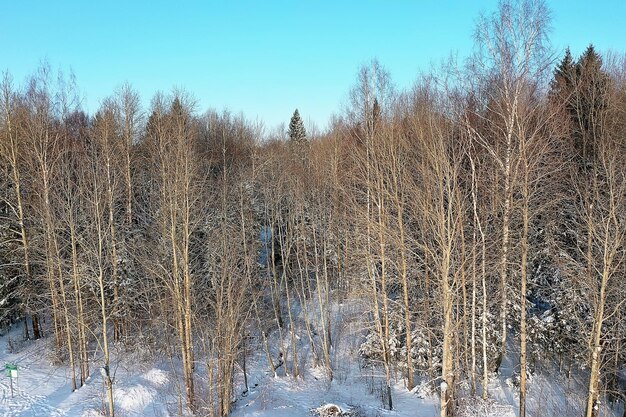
(11, 371)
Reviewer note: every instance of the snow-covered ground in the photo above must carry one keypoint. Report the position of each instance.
(148, 386)
(43, 389)
(286, 397)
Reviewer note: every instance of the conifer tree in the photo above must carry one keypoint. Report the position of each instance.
(592, 83)
(296, 131)
(581, 88)
(564, 78)
(376, 111)
(590, 61)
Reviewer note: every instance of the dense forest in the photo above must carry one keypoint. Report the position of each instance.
(482, 209)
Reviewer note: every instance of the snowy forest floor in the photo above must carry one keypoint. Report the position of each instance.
(148, 386)
(44, 389)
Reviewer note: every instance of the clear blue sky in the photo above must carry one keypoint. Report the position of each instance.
(263, 57)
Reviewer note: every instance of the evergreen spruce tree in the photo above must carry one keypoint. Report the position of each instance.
(376, 113)
(564, 77)
(590, 61)
(581, 88)
(592, 84)
(296, 131)
(563, 94)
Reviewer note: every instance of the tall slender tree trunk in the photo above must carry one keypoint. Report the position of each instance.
(66, 314)
(473, 315)
(50, 258)
(323, 311)
(80, 316)
(465, 346)
(447, 366)
(117, 310)
(179, 299)
(524, 269)
(407, 306)
(504, 261)
(383, 289)
(304, 295)
(483, 279)
(593, 392)
(100, 257)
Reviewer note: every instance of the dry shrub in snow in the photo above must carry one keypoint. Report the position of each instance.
(477, 407)
(328, 410)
